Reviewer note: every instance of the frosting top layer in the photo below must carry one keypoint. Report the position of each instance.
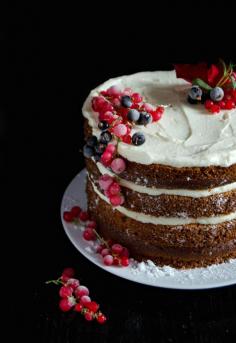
(186, 135)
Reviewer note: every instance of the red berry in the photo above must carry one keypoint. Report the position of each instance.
(114, 188)
(106, 157)
(65, 304)
(117, 248)
(85, 299)
(92, 224)
(105, 181)
(118, 165)
(88, 316)
(101, 318)
(114, 90)
(127, 139)
(89, 234)
(64, 278)
(116, 261)
(124, 261)
(230, 104)
(127, 91)
(83, 216)
(209, 104)
(107, 116)
(125, 252)
(73, 283)
(116, 200)
(111, 148)
(65, 291)
(120, 130)
(81, 290)
(68, 216)
(78, 307)
(69, 272)
(99, 249)
(75, 211)
(136, 97)
(105, 252)
(222, 104)
(97, 103)
(108, 260)
(123, 112)
(215, 108)
(92, 306)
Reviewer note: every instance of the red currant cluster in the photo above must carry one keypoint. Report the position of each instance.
(111, 189)
(117, 112)
(75, 296)
(227, 103)
(112, 253)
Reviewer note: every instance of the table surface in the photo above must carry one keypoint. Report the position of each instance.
(48, 86)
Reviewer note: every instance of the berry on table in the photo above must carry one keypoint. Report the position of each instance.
(124, 261)
(101, 319)
(85, 299)
(217, 94)
(88, 316)
(80, 291)
(138, 138)
(78, 307)
(65, 291)
(73, 283)
(105, 252)
(126, 101)
(92, 306)
(65, 304)
(92, 224)
(69, 272)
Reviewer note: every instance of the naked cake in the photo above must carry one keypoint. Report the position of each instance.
(161, 160)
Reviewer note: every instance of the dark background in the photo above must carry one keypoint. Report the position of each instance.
(53, 58)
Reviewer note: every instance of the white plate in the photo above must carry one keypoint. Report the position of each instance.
(199, 278)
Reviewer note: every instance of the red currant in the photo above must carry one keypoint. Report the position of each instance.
(92, 306)
(69, 272)
(65, 291)
(88, 316)
(124, 261)
(85, 299)
(83, 216)
(75, 211)
(65, 304)
(78, 307)
(81, 290)
(230, 104)
(209, 104)
(68, 216)
(136, 97)
(108, 260)
(117, 248)
(101, 318)
(89, 234)
(73, 283)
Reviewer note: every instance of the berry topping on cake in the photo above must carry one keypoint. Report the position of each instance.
(138, 138)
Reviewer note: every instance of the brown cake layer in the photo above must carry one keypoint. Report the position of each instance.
(179, 246)
(157, 175)
(172, 205)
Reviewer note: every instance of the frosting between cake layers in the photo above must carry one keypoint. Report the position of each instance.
(172, 221)
(186, 136)
(158, 191)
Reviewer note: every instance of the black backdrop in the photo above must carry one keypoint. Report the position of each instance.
(52, 61)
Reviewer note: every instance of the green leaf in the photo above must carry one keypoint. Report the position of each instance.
(202, 84)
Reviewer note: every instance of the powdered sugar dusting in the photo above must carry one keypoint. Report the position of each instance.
(216, 272)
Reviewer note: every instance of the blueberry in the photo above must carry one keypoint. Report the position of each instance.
(100, 148)
(103, 125)
(133, 115)
(138, 138)
(145, 118)
(88, 151)
(126, 101)
(92, 141)
(217, 94)
(195, 93)
(105, 137)
(192, 101)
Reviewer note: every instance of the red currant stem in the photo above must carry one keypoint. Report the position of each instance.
(225, 77)
(101, 239)
(55, 282)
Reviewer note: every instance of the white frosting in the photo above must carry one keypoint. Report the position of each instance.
(186, 136)
(158, 191)
(172, 221)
